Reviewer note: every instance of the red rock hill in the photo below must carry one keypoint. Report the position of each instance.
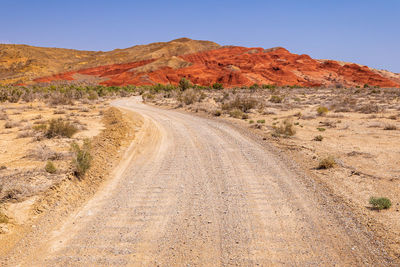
(206, 63)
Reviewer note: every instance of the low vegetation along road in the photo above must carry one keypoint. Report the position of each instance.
(200, 192)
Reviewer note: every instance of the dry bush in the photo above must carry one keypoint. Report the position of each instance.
(191, 96)
(286, 129)
(243, 104)
(26, 134)
(321, 110)
(390, 127)
(326, 163)
(44, 153)
(318, 138)
(82, 158)
(344, 104)
(11, 124)
(3, 217)
(50, 168)
(59, 111)
(37, 117)
(369, 108)
(276, 99)
(3, 116)
(330, 124)
(57, 98)
(236, 113)
(57, 127)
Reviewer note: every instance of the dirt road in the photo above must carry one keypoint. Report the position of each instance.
(198, 192)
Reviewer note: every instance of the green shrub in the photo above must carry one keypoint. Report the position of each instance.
(57, 127)
(217, 86)
(50, 168)
(251, 121)
(254, 86)
(82, 158)
(318, 138)
(321, 129)
(321, 110)
(260, 121)
(326, 163)
(185, 84)
(380, 203)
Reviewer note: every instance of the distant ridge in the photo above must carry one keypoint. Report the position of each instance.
(203, 62)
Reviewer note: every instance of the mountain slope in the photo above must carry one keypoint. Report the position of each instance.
(202, 62)
(22, 63)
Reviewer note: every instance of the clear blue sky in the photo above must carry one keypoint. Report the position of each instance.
(361, 31)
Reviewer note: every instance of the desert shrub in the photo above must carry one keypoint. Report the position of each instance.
(39, 127)
(26, 134)
(286, 129)
(369, 108)
(185, 84)
(380, 203)
(59, 111)
(321, 129)
(217, 113)
(251, 121)
(3, 116)
(241, 103)
(236, 113)
(276, 99)
(321, 110)
(318, 138)
(245, 116)
(254, 86)
(44, 153)
(390, 127)
(366, 85)
(218, 86)
(190, 96)
(57, 127)
(82, 158)
(326, 163)
(11, 124)
(268, 86)
(50, 168)
(92, 95)
(3, 217)
(260, 121)
(57, 98)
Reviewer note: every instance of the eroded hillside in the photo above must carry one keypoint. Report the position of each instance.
(203, 62)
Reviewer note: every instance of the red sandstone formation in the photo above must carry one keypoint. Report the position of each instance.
(234, 66)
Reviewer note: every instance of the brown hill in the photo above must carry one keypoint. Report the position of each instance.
(22, 63)
(202, 62)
